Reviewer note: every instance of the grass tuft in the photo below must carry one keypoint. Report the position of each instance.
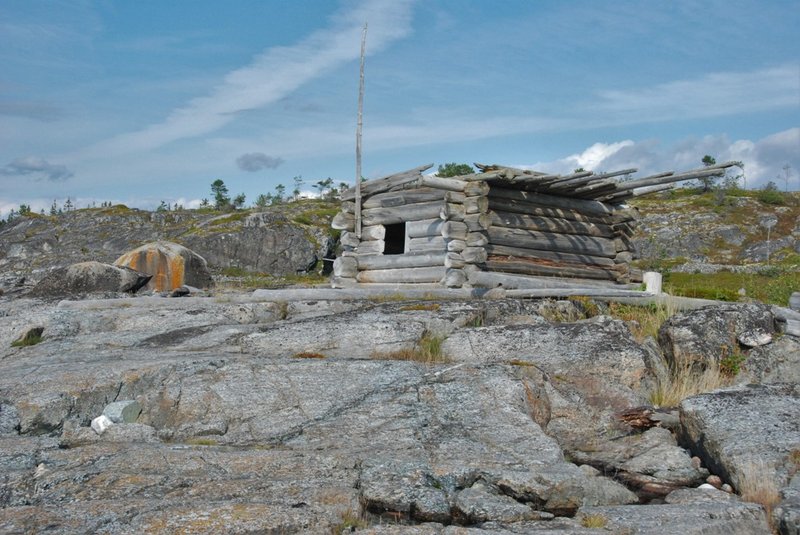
(30, 338)
(427, 350)
(758, 484)
(643, 320)
(594, 521)
(686, 379)
(308, 355)
(350, 521)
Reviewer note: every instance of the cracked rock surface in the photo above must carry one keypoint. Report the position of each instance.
(261, 416)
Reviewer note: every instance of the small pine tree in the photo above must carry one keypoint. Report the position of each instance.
(238, 201)
(53, 208)
(454, 169)
(220, 192)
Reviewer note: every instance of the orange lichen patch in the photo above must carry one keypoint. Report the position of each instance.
(168, 270)
(176, 268)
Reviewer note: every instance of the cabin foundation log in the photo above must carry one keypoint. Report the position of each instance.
(404, 275)
(401, 261)
(523, 267)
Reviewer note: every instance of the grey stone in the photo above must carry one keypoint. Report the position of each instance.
(480, 503)
(101, 424)
(700, 495)
(708, 334)
(9, 419)
(777, 362)
(794, 301)
(699, 518)
(123, 411)
(746, 429)
(89, 277)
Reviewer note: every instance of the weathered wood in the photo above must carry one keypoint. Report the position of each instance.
(349, 207)
(449, 184)
(568, 243)
(475, 189)
(454, 260)
(584, 206)
(478, 222)
(403, 197)
(476, 205)
(344, 221)
(401, 261)
(379, 185)
(349, 239)
(555, 256)
(477, 239)
(426, 243)
(492, 279)
(688, 175)
(345, 266)
(550, 224)
(425, 227)
(455, 278)
(371, 247)
(523, 267)
(402, 275)
(454, 211)
(456, 245)
(528, 208)
(454, 230)
(373, 232)
(400, 214)
(474, 255)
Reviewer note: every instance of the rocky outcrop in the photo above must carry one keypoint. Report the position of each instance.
(249, 414)
(170, 266)
(90, 277)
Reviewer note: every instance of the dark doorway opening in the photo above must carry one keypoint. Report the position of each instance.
(395, 240)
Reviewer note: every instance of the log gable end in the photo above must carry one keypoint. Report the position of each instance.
(498, 226)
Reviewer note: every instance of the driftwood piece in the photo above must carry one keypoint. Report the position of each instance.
(492, 279)
(532, 209)
(550, 224)
(426, 243)
(456, 245)
(583, 206)
(568, 243)
(454, 260)
(448, 184)
(568, 258)
(403, 275)
(349, 239)
(476, 205)
(477, 239)
(371, 247)
(401, 261)
(474, 255)
(373, 232)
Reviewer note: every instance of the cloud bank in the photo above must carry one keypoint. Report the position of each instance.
(41, 168)
(256, 161)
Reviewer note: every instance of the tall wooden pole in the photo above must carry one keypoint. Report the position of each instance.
(358, 132)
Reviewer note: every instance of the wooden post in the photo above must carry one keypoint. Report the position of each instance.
(358, 132)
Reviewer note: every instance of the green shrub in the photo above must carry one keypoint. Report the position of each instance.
(30, 338)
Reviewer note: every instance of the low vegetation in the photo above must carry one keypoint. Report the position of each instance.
(428, 350)
(350, 521)
(758, 484)
(771, 286)
(686, 379)
(643, 320)
(594, 521)
(30, 338)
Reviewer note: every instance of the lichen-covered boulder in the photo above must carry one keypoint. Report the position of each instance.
(90, 277)
(171, 266)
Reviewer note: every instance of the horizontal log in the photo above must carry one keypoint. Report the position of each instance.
(426, 243)
(373, 232)
(454, 230)
(455, 278)
(371, 247)
(476, 205)
(345, 267)
(401, 198)
(343, 221)
(454, 211)
(378, 185)
(550, 241)
(522, 267)
(568, 258)
(401, 261)
(474, 255)
(456, 245)
(527, 208)
(402, 275)
(401, 214)
(550, 224)
(454, 260)
(478, 222)
(425, 227)
(477, 239)
(492, 279)
(440, 183)
(349, 239)
(584, 206)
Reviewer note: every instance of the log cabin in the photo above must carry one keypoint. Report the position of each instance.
(500, 226)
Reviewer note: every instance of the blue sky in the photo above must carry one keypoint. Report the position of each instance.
(139, 102)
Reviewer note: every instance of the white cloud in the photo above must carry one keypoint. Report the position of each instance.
(272, 75)
(715, 94)
(763, 158)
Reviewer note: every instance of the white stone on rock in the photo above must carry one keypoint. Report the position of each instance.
(101, 423)
(707, 487)
(125, 411)
(755, 338)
